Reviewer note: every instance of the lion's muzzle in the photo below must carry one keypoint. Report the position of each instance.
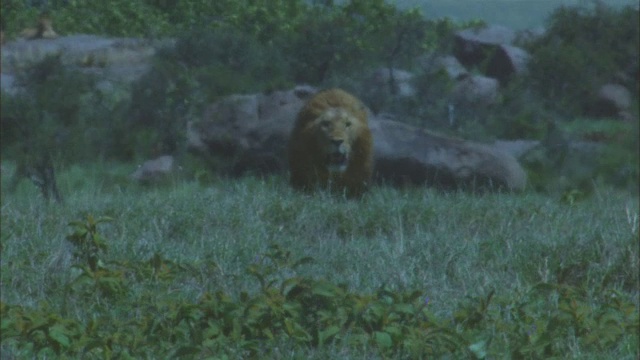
(338, 157)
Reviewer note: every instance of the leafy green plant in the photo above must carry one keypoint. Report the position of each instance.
(93, 277)
(41, 331)
(543, 321)
(88, 243)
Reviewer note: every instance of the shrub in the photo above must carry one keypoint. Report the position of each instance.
(584, 48)
(345, 40)
(203, 66)
(115, 18)
(42, 116)
(62, 113)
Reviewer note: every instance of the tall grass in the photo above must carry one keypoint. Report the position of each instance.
(452, 247)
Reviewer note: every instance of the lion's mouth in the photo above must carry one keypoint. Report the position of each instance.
(337, 162)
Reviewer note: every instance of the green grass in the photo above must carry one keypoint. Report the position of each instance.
(530, 251)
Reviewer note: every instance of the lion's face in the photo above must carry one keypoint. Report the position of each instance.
(336, 131)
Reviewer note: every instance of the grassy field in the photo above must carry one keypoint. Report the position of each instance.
(480, 276)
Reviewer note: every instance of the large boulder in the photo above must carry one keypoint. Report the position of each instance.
(614, 101)
(448, 64)
(384, 87)
(155, 170)
(393, 82)
(506, 62)
(473, 46)
(476, 91)
(406, 155)
(251, 133)
(491, 45)
(115, 59)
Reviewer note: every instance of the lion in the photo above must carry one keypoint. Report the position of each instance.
(331, 145)
(43, 30)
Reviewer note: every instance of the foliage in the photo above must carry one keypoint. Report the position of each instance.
(540, 322)
(38, 119)
(87, 241)
(344, 40)
(603, 152)
(17, 15)
(202, 66)
(116, 18)
(584, 48)
(618, 162)
(63, 114)
(307, 311)
(114, 306)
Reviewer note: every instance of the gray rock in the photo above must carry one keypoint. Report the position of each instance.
(7, 83)
(155, 170)
(120, 59)
(516, 148)
(473, 46)
(613, 100)
(251, 132)
(506, 62)
(447, 63)
(491, 45)
(392, 82)
(476, 90)
(408, 155)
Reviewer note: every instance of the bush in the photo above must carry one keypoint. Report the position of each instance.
(585, 47)
(347, 40)
(203, 66)
(42, 117)
(62, 113)
(115, 18)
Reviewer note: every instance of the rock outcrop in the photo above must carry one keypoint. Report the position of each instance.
(491, 45)
(251, 133)
(114, 59)
(156, 170)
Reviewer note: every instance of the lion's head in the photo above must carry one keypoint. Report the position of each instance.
(336, 130)
(331, 144)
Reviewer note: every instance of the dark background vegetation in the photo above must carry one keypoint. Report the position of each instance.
(229, 47)
(251, 269)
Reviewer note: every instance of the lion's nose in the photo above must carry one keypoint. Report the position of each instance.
(336, 142)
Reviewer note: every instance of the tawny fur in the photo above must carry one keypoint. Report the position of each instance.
(44, 29)
(331, 119)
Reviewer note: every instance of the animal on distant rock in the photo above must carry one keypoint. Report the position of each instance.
(43, 30)
(331, 146)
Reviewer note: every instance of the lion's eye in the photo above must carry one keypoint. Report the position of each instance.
(348, 124)
(325, 124)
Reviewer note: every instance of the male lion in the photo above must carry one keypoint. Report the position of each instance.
(43, 30)
(331, 145)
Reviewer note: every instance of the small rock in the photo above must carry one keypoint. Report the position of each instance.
(155, 170)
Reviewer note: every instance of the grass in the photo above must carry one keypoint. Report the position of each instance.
(454, 248)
